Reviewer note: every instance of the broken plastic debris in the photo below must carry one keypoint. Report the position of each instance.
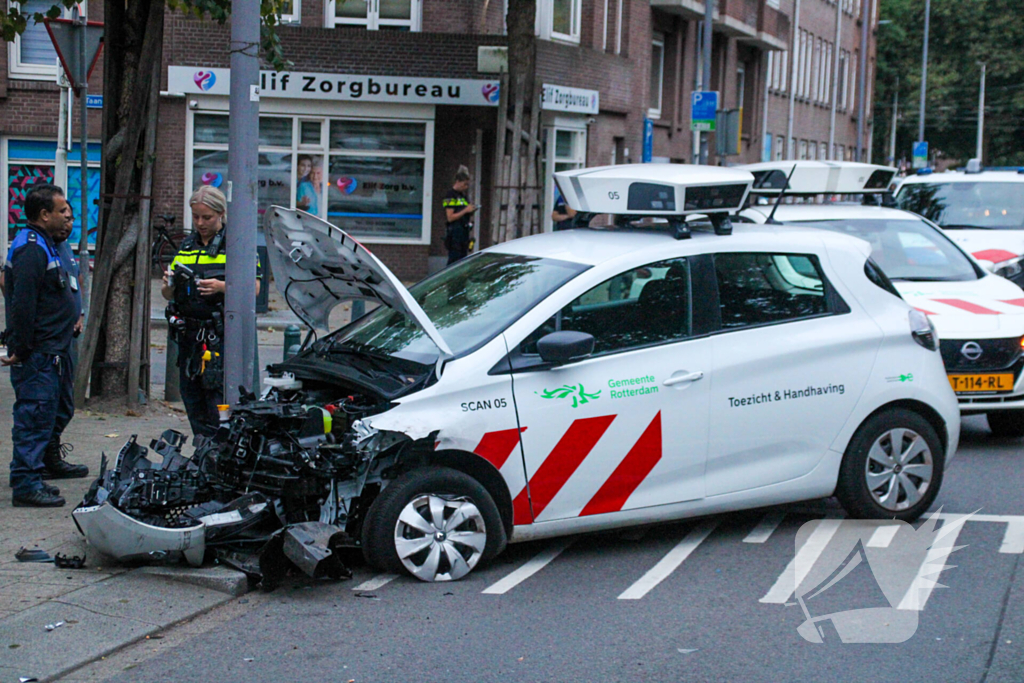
(27, 679)
(54, 625)
(65, 562)
(111, 436)
(32, 555)
(685, 651)
(247, 659)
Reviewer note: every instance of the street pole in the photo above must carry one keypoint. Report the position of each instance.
(895, 113)
(83, 214)
(830, 152)
(709, 8)
(792, 81)
(924, 70)
(240, 239)
(981, 115)
(862, 79)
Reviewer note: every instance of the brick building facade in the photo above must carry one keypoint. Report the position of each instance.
(385, 159)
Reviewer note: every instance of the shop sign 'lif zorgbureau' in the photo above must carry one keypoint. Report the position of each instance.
(322, 86)
(571, 100)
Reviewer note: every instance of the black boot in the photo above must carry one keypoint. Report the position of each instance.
(51, 489)
(56, 467)
(38, 499)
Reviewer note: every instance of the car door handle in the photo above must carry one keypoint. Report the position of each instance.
(691, 377)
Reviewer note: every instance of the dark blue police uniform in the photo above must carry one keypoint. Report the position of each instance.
(41, 317)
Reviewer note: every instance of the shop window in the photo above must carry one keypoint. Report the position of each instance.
(559, 19)
(33, 161)
(780, 143)
(566, 150)
(365, 176)
(401, 15)
(657, 76)
(31, 55)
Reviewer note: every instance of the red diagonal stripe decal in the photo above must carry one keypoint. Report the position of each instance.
(924, 311)
(565, 457)
(994, 255)
(967, 306)
(495, 447)
(633, 469)
(1015, 302)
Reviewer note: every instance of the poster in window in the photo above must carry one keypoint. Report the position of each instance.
(20, 178)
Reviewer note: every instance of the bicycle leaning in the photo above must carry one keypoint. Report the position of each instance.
(165, 244)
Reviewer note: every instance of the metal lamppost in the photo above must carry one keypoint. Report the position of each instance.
(981, 115)
(924, 70)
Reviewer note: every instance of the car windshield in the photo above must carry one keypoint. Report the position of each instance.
(988, 205)
(469, 303)
(906, 249)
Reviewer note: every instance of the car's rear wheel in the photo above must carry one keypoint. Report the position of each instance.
(435, 523)
(892, 468)
(1008, 423)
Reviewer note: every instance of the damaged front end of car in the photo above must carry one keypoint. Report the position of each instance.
(286, 483)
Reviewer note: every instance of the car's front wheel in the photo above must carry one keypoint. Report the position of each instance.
(435, 523)
(1008, 423)
(892, 468)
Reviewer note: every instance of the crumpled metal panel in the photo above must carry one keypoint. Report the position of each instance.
(116, 534)
(309, 546)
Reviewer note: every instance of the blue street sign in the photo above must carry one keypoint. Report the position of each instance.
(94, 101)
(648, 152)
(703, 109)
(920, 155)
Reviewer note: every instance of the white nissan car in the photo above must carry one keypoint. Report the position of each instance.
(982, 211)
(979, 316)
(560, 383)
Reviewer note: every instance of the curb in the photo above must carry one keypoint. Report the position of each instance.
(104, 617)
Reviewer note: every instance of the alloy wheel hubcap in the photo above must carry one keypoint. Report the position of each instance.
(899, 469)
(440, 538)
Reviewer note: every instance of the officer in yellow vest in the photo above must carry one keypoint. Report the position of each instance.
(194, 285)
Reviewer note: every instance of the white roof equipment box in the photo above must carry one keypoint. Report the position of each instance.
(819, 177)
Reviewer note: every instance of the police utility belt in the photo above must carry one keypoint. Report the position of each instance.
(198, 328)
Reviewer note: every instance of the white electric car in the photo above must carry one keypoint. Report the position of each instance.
(979, 316)
(982, 211)
(563, 383)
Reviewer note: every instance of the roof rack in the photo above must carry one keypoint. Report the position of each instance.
(819, 177)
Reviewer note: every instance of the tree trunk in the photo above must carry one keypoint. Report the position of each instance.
(133, 42)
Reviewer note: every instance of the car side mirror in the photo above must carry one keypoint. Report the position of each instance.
(563, 347)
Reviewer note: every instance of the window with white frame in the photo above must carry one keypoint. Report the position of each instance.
(560, 20)
(31, 55)
(290, 11)
(780, 142)
(657, 76)
(803, 149)
(565, 150)
(401, 15)
(367, 176)
(828, 75)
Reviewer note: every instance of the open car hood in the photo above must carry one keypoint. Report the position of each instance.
(318, 265)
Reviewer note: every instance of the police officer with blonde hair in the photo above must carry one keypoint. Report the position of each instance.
(194, 284)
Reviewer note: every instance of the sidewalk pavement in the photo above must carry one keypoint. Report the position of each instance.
(104, 606)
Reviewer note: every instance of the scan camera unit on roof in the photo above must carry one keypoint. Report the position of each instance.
(654, 189)
(819, 177)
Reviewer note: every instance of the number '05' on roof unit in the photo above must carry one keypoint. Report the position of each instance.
(655, 189)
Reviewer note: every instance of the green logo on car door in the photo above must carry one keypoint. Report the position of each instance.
(576, 392)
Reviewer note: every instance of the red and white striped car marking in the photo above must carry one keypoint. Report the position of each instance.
(1014, 302)
(571, 450)
(967, 306)
(994, 255)
(959, 306)
(495, 447)
(630, 473)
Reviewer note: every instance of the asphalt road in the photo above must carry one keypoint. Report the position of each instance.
(703, 620)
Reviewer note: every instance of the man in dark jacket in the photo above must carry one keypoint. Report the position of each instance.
(41, 318)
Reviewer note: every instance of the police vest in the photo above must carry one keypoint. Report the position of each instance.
(208, 263)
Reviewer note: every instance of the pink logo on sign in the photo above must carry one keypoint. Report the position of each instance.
(205, 79)
(212, 178)
(347, 184)
(491, 92)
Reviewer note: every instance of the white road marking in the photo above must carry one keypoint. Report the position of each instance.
(765, 528)
(883, 536)
(934, 562)
(376, 582)
(1013, 541)
(798, 568)
(533, 566)
(670, 562)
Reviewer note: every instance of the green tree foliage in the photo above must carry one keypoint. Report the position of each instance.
(962, 34)
(13, 21)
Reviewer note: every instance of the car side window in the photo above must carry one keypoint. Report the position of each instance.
(764, 288)
(640, 307)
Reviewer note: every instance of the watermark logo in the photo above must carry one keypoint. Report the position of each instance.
(491, 92)
(205, 80)
(576, 392)
(347, 184)
(865, 581)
